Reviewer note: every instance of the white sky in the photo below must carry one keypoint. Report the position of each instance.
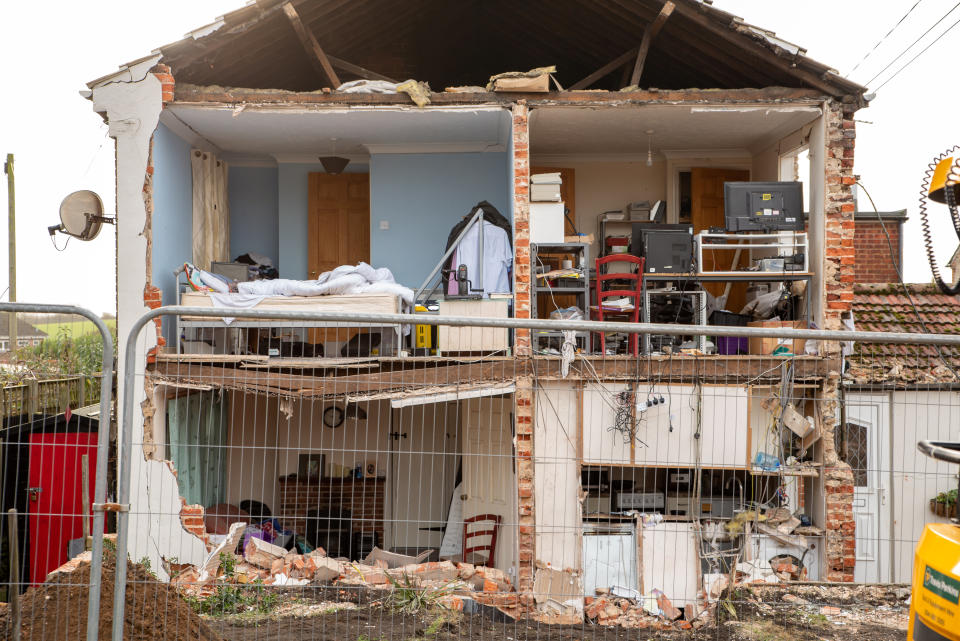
(61, 145)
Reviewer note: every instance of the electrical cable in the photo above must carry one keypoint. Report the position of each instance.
(903, 53)
(950, 28)
(929, 248)
(880, 41)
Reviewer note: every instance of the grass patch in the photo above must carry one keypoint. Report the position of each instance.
(409, 598)
(75, 329)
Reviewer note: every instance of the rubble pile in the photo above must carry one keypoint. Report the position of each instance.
(263, 563)
(654, 611)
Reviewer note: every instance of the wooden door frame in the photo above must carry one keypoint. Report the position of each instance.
(686, 160)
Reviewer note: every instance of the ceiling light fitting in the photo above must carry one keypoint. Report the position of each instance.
(334, 164)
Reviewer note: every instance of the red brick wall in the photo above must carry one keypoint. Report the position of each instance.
(839, 276)
(363, 497)
(521, 224)
(875, 263)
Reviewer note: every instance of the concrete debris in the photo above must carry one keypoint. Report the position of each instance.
(262, 554)
(71, 566)
(393, 559)
(211, 564)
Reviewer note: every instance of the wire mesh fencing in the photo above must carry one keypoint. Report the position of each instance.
(56, 364)
(350, 476)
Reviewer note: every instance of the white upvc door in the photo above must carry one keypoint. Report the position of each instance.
(869, 456)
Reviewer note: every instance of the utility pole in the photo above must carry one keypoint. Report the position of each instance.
(12, 240)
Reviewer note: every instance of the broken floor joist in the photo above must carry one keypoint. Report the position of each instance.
(739, 370)
(316, 386)
(211, 95)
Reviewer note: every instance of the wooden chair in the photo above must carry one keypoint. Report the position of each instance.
(636, 294)
(490, 548)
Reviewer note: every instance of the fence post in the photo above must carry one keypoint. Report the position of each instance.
(13, 541)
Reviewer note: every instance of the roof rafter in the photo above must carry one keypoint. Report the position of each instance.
(648, 35)
(317, 57)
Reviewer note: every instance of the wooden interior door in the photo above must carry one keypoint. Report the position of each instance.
(338, 224)
(338, 231)
(568, 176)
(706, 196)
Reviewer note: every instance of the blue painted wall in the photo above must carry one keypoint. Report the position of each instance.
(292, 205)
(254, 211)
(423, 196)
(172, 209)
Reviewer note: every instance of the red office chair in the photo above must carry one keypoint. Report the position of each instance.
(490, 548)
(636, 294)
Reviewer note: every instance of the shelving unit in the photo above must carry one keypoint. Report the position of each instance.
(581, 289)
(605, 219)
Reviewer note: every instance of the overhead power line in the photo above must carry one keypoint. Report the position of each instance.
(904, 52)
(897, 72)
(880, 41)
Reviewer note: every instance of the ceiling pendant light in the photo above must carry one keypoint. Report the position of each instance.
(334, 164)
(649, 147)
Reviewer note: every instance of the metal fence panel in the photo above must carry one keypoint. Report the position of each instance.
(57, 391)
(663, 491)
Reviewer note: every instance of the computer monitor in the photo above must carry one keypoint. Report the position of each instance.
(665, 248)
(763, 206)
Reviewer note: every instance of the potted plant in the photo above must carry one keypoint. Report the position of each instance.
(945, 504)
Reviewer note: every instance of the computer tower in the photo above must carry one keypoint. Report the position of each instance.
(667, 251)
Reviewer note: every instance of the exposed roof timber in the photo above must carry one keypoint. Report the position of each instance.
(735, 36)
(313, 49)
(707, 54)
(467, 41)
(648, 35)
(610, 67)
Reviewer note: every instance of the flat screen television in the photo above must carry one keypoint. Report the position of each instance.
(763, 206)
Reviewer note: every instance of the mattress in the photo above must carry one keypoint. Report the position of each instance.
(364, 303)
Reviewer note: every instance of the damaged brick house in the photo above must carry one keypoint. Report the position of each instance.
(243, 113)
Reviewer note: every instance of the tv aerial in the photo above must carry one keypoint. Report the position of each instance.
(81, 216)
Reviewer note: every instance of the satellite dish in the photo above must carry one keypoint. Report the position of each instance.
(81, 215)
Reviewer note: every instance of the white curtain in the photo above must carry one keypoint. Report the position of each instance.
(211, 213)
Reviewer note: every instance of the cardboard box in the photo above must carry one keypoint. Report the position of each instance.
(760, 346)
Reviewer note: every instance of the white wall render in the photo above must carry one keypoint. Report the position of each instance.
(131, 102)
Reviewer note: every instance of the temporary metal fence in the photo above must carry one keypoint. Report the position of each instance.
(49, 434)
(661, 491)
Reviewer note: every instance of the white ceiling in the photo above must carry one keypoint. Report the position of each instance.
(292, 134)
(288, 134)
(580, 130)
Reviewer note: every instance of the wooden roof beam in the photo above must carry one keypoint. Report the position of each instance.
(649, 34)
(610, 67)
(743, 43)
(317, 57)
